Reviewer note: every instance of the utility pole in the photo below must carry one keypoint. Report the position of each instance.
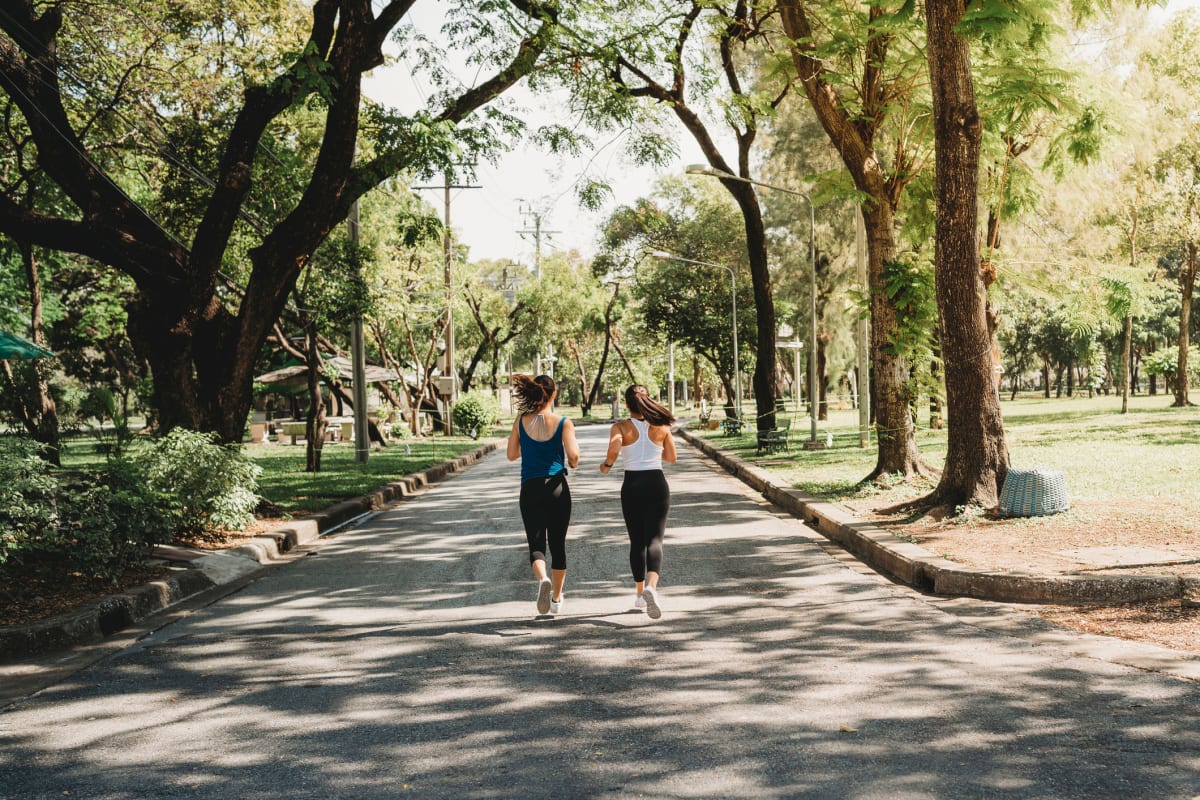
(448, 255)
(362, 438)
(537, 232)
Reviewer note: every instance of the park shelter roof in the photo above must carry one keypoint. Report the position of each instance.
(295, 375)
(13, 346)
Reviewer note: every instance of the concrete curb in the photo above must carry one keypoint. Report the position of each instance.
(113, 614)
(928, 572)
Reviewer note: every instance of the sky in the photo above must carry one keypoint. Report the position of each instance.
(488, 218)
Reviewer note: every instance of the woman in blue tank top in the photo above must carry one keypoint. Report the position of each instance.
(644, 442)
(545, 443)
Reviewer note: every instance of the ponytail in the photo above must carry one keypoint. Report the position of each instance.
(639, 401)
(532, 394)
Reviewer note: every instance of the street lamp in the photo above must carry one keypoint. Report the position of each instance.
(737, 367)
(704, 169)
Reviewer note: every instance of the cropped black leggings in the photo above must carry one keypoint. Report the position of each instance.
(546, 512)
(645, 501)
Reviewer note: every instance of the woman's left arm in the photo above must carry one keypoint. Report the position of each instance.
(668, 453)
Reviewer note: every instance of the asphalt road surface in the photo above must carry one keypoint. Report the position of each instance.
(405, 658)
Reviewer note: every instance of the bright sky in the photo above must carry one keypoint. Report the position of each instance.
(488, 218)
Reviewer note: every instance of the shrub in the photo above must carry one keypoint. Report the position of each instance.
(26, 496)
(213, 487)
(90, 524)
(475, 411)
(107, 522)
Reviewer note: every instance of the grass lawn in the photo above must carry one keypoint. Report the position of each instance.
(285, 483)
(1149, 454)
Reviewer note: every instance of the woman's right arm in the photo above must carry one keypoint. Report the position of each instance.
(514, 440)
(615, 440)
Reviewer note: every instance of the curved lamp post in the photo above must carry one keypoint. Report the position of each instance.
(813, 401)
(737, 366)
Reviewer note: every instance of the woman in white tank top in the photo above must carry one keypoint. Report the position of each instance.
(644, 442)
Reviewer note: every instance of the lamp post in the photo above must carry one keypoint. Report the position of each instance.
(737, 367)
(814, 404)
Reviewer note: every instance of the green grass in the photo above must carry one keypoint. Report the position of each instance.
(1151, 452)
(285, 483)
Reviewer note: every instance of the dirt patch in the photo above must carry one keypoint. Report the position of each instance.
(25, 600)
(1147, 537)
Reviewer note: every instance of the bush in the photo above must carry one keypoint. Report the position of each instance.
(26, 496)
(213, 487)
(107, 521)
(475, 411)
(89, 524)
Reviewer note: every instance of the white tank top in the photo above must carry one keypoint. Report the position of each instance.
(642, 454)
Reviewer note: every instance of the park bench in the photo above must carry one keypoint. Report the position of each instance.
(732, 426)
(775, 439)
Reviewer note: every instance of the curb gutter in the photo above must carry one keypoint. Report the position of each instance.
(113, 614)
(928, 572)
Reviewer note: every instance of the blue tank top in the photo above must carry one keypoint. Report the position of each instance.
(542, 459)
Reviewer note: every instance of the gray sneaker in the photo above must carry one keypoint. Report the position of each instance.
(557, 605)
(653, 611)
(543, 600)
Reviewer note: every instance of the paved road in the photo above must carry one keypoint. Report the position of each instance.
(405, 658)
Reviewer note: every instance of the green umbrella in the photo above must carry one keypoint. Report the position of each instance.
(13, 346)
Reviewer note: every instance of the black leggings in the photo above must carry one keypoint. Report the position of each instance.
(645, 500)
(546, 512)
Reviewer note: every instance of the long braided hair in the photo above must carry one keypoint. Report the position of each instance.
(639, 401)
(533, 393)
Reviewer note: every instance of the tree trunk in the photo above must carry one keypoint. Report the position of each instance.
(853, 135)
(890, 374)
(42, 419)
(202, 357)
(1187, 283)
(314, 430)
(763, 380)
(976, 453)
(586, 402)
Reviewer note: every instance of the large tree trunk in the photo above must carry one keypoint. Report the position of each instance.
(854, 138)
(202, 356)
(976, 454)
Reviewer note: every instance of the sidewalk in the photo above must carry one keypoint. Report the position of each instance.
(929, 572)
(194, 572)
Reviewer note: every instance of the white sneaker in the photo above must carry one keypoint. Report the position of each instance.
(639, 603)
(653, 611)
(543, 598)
(556, 605)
